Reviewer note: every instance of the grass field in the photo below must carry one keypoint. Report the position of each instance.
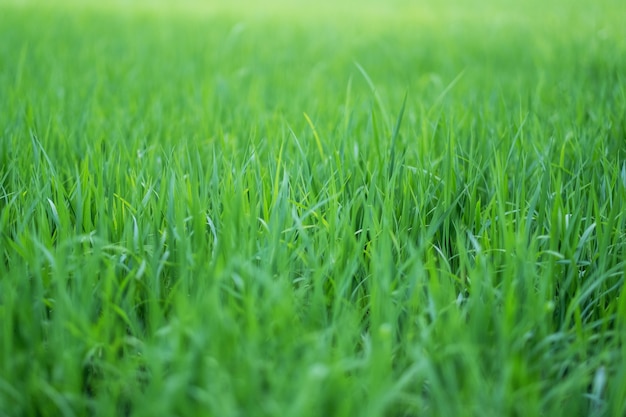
(313, 209)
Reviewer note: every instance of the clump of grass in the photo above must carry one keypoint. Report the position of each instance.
(224, 214)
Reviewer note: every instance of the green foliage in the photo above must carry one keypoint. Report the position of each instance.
(381, 210)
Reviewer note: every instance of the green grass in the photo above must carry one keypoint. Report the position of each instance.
(375, 209)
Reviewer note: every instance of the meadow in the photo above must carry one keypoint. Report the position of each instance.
(304, 209)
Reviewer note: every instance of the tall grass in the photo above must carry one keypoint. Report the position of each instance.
(390, 210)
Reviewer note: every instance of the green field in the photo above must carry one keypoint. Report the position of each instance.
(376, 208)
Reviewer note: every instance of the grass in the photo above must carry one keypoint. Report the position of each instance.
(389, 209)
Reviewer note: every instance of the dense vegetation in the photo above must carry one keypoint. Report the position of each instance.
(367, 209)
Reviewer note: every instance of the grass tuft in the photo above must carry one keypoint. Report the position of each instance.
(212, 209)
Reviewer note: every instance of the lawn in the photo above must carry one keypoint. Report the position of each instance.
(289, 208)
